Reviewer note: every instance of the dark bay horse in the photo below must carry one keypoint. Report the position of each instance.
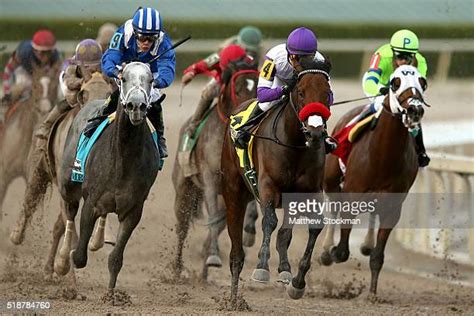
(47, 162)
(16, 136)
(383, 160)
(240, 84)
(121, 168)
(296, 164)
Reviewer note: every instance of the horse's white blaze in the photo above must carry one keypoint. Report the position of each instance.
(315, 121)
(250, 84)
(44, 81)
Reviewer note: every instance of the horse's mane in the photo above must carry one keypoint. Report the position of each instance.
(310, 63)
(236, 65)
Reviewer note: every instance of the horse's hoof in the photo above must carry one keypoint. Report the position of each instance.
(339, 257)
(293, 292)
(214, 261)
(248, 240)
(285, 277)
(325, 259)
(261, 275)
(366, 251)
(62, 266)
(17, 237)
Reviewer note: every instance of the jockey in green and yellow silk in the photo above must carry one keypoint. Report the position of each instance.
(402, 50)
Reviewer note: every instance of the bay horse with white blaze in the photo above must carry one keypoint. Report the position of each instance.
(383, 160)
(293, 162)
(239, 85)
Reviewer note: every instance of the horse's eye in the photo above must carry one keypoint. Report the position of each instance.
(301, 94)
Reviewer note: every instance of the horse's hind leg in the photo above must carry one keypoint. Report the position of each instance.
(126, 227)
(251, 215)
(88, 219)
(37, 184)
(97, 241)
(283, 242)
(58, 231)
(328, 242)
(388, 220)
(186, 204)
(297, 286)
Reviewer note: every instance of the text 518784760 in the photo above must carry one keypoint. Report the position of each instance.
(24, 305)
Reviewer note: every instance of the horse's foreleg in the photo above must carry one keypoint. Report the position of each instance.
(388, 220)
(88, 219)
(62, 264)
(369, 240)
(341, 252)
(297, 287)
(283, 242)
(186, 204)
(251, 215)
(269, 223)
(58, 231)
(126, 227)
(97, 240)
(37, 184)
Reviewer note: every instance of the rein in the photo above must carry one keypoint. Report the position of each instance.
(223, 118)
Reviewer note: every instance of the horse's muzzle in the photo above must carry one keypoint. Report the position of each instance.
(136, 112)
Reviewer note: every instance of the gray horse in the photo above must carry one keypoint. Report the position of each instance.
(121, 168)
(17, 134)
(46, 164)
(204, 184)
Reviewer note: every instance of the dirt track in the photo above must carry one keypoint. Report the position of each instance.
(146, 277)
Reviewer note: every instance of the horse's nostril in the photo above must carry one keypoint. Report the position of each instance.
(143, 107)
(129, 106)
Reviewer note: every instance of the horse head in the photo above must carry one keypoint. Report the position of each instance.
(96, 88)
(239, 84)
(311, 99)
(135, 89)
(405, 96)
(44, 89)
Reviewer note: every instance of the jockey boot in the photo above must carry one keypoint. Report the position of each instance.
(241, 135)
(110, 108)
(423, 159)
(366, 111)
(45, 128)
(204, 104)
(155, 114)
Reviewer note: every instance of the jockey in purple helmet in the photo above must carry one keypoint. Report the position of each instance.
(277, 78)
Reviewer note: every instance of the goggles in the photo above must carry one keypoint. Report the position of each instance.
(43, 52)
(146, 38)
(404, 56)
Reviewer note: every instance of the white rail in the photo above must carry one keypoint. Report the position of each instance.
(447, 173)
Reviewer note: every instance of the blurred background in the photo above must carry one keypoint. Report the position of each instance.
(348, 31)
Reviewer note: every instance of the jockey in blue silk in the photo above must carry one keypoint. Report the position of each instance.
(277, 79)
(141, 39)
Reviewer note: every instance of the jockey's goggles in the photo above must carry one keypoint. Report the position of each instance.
(43, 52)
(146, 37)
(404, 56)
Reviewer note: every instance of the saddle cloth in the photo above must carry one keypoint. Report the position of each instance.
(85, 145)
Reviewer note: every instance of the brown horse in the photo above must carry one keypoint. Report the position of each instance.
(381, 161)
(22, 119)
(294, 162)
(239, 86)
(46, 164)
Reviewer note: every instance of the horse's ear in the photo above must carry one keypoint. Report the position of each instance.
(81, 97)
(395, 84)
(423, 83)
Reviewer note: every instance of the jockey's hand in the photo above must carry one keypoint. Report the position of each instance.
(157, 103)
(289, 87)
(187, 77)
(384, 90)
